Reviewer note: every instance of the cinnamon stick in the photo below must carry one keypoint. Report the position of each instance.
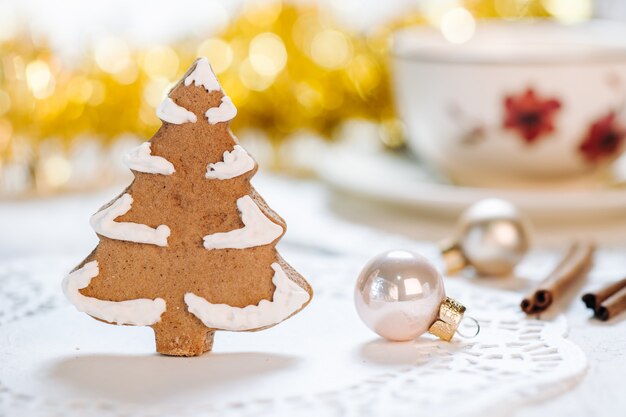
(593, 300)
(572, 266)
(612, 306)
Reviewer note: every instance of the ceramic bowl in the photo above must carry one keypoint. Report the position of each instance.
(518, 104)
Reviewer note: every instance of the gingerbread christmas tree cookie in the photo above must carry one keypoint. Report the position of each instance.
(190, 246)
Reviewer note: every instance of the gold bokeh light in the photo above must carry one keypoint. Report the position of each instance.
(219, 53)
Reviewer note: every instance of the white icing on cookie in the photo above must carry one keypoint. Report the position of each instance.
(288, 298)
(170, 112)
(104, 224)
(236, 163)
(139, 312)
(203, 75)
(258, 230)
(141, 159)
(225, 112)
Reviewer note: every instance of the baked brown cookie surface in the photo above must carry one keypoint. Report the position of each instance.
(190, 246)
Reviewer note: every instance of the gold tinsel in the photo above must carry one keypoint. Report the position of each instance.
(287, 67)
(292, 69)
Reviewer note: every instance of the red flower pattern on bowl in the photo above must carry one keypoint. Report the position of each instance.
(604, 139)
(530, 115)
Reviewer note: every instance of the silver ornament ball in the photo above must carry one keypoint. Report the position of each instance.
(493, 236)
(398, 295)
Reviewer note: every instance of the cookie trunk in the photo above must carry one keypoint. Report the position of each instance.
(180, 344)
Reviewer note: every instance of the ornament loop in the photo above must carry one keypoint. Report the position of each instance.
(477, 325)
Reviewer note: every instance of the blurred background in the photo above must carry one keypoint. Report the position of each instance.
(80, 81)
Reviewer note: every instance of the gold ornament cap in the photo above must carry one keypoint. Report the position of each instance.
(450, 316)
(453, 256)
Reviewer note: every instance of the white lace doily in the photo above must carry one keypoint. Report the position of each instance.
(322, 362)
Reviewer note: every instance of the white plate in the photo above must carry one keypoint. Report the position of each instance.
(399, 179)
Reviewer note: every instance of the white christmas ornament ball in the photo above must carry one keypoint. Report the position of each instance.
(493, 236)
(398, 295)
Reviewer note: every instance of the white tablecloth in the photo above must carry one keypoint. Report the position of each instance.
(327, 223)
